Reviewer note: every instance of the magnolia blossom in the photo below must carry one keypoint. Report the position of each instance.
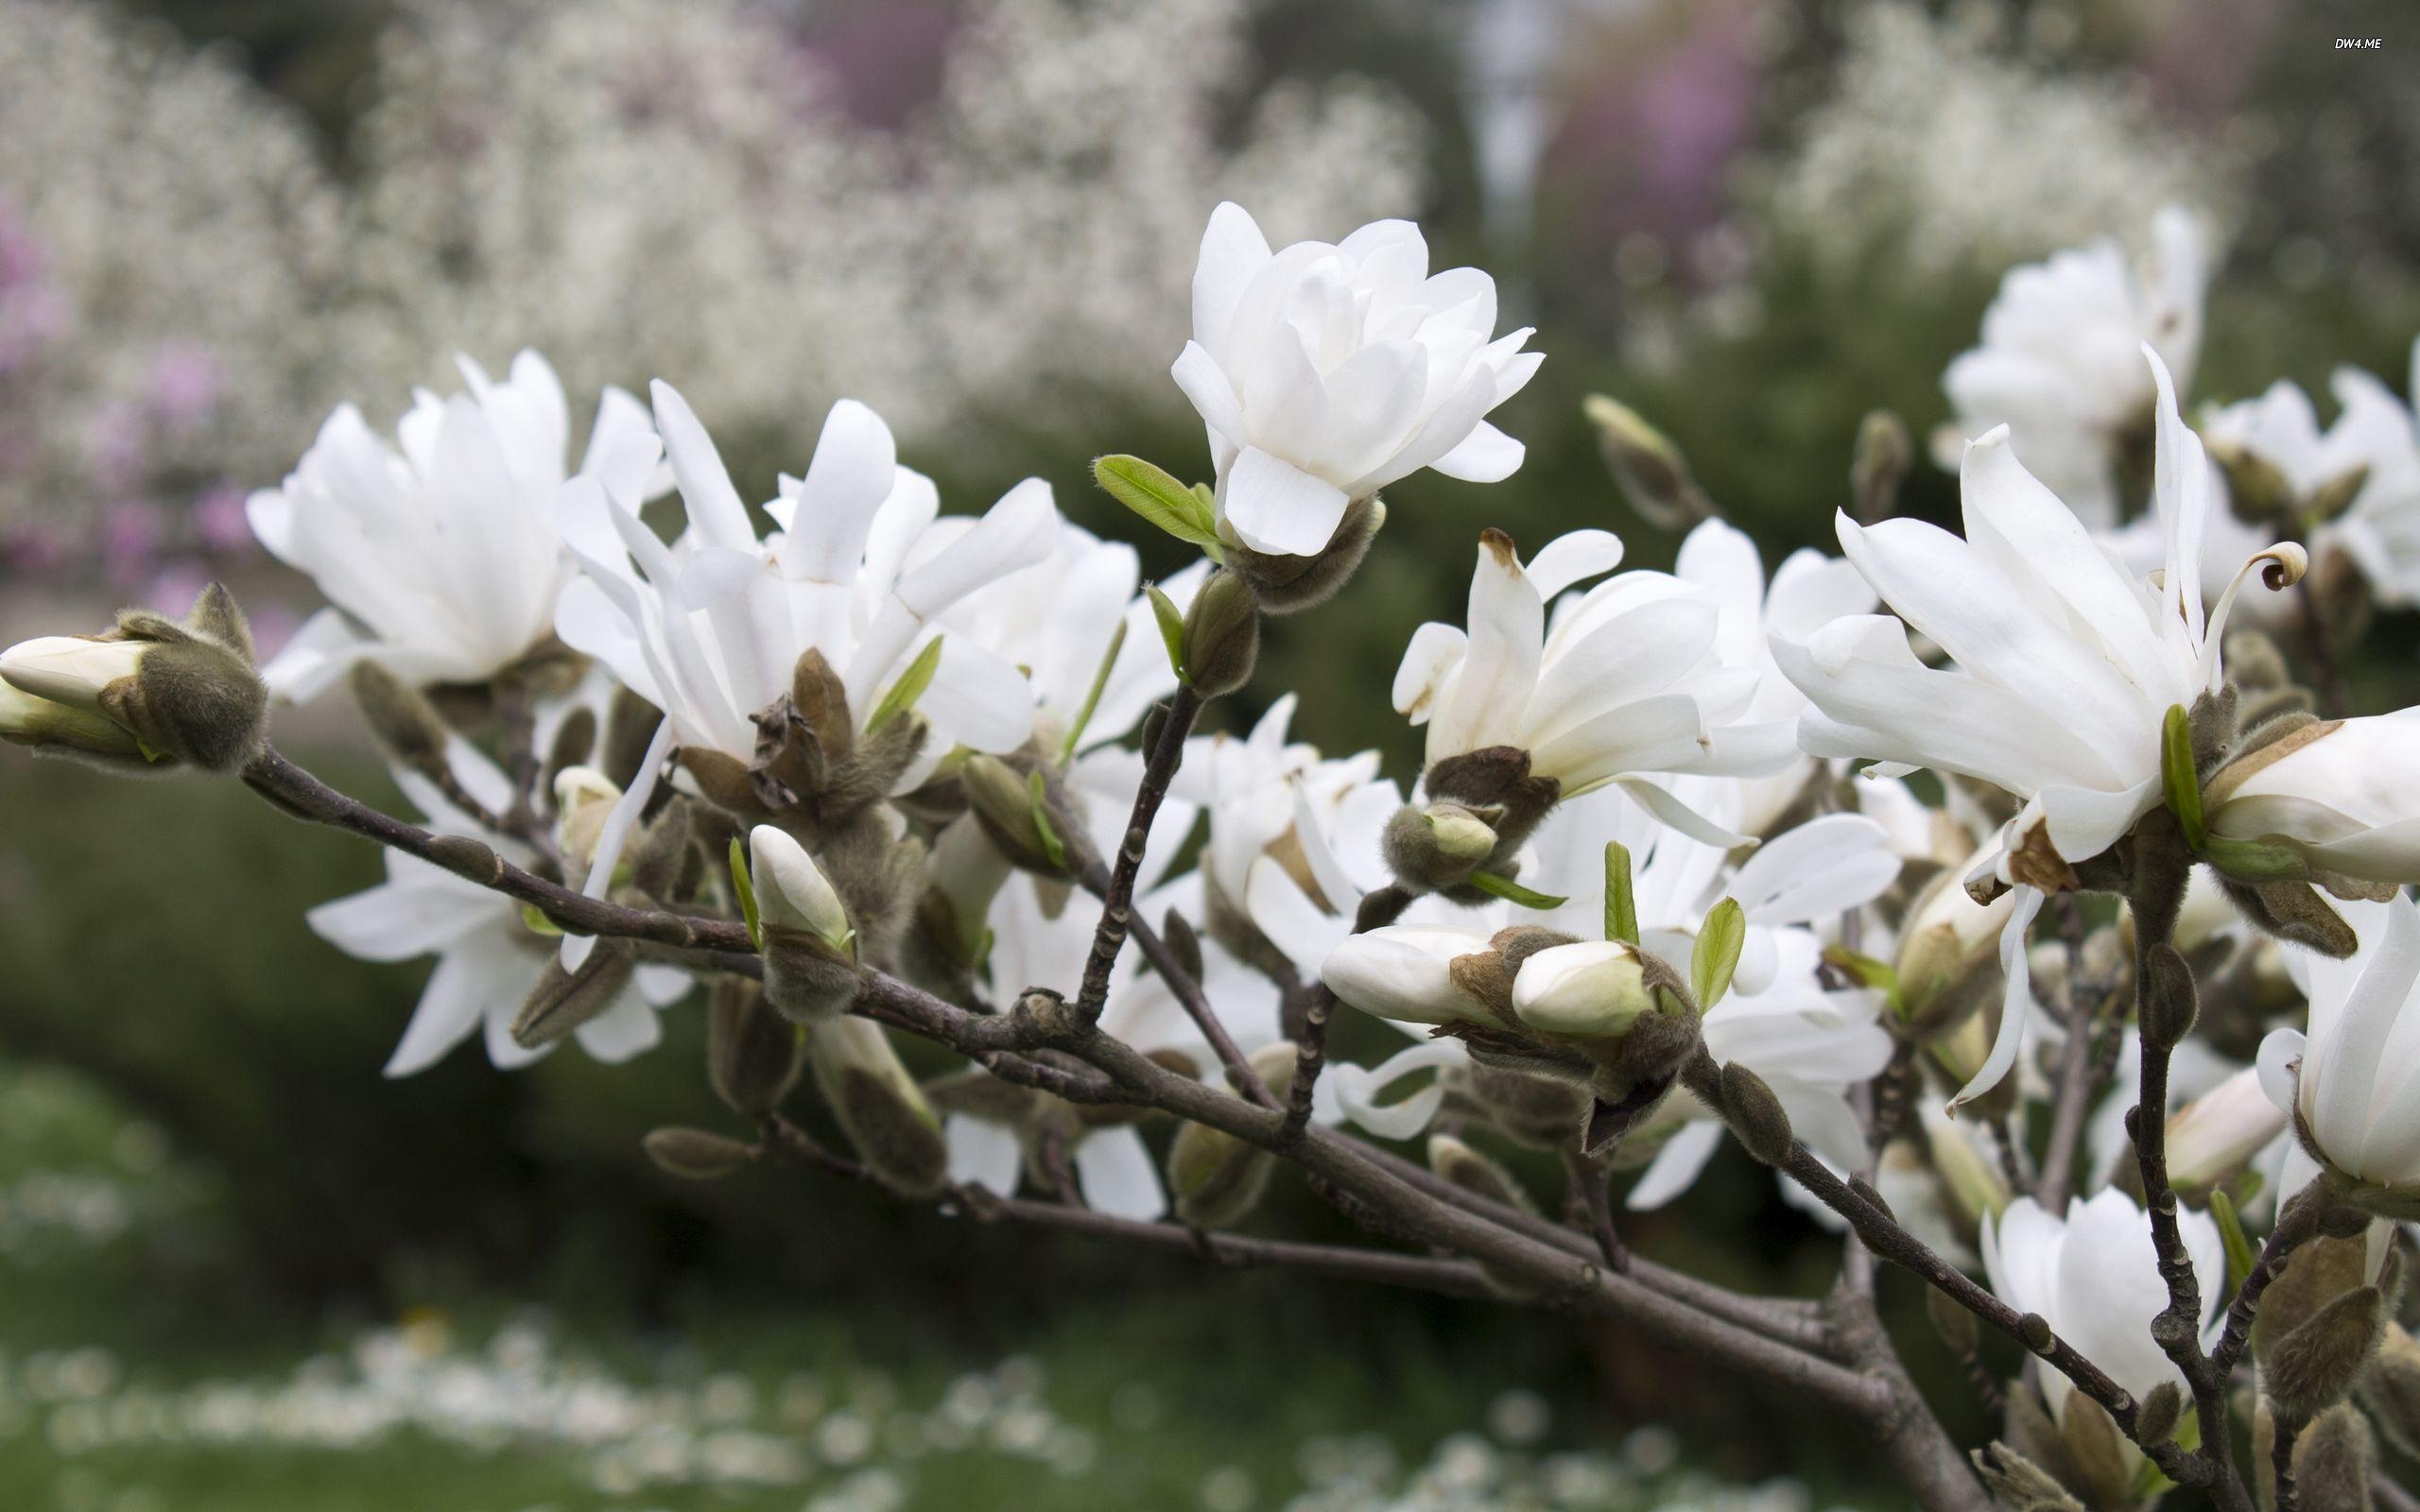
(487, 957)
(1807, 591)
(1037, 944)
(1326, 372)
(710, 627)
(2339, 794)
(2057, 362)
(2065, 667)
(791, 890)
(2374, 441)
(1628, 680)
(2349, 1082)
(439, 554)
(2094, 1275)
(1294, 836)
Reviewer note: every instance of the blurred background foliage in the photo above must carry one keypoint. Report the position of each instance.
(1753, 220)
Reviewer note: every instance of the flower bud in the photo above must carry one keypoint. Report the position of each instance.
(187, 693)
(2335, 1461)
(1755, 1115)
(1221, 635)
(753, 1055)
(27, 720)
(584, 798)
(2392, 1390)
(2211, 1138)
(1405, 973)
(1476, 1172)
(1003, 803)
(1218, 1178)
(2312, 1367)
(401, 717)
(1949, 960)
(2170, 1003)
(2337, 795)
(791, 892)
(2162, 1410)
(1879, 465)
(1650, 470)
(878, 1106)
(694, 1155)
(2020, 1484)
(1436, 849)
(2316, 1274)
(563, 1000)
(1590, 989)
(2257, 489)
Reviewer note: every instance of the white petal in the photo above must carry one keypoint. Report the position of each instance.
(1115, 1173)
(1276, 508)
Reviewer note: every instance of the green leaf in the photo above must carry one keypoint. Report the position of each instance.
(1171, 627)
(741, 884)
(1092, 698)
(1717, 954)
(1159, 498)
(2240, 1260)
(1513, 892)
(535, 920)
(909, 687)
(1621, 897)
(2182, 782)
(1052, 846)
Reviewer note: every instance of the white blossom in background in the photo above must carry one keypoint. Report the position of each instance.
(1628, 682)
(2094, 1275)
(1324, 372)
(2348, 1081)
(1037, 945)
(438, 552)
(1995, 161)
(2060, 363)
(1029, 233)
(170, 245)
(488, 959)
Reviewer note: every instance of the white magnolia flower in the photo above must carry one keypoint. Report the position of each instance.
(487, 957)
(439, 554)
(1326, 372)
(1039, 945)
(791, 890)
(2057, 364)
(1629, 680)
(1294, 836)
(1405, 972)
(1808, 591)
(2339, 794)
(1057, 619)
(2094, 1276)
(2349, 1082)
(2065, 667)
(710, 627)
(2381, 533)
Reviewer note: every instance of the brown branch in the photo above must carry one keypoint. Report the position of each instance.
(1118, 903)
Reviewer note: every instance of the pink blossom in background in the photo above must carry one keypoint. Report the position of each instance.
(184, 384)
(130, 543)
(117, 445)
(883, 61)
(218, 520)
(34, 550)
(34, 312)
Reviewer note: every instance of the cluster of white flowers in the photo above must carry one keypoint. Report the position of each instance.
(1988, 161)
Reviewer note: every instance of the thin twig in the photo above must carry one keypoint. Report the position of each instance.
(1589, 1183)
(1117, 904)
(1378, 908)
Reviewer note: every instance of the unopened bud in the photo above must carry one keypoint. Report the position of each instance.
(2034, 1331)
(584, 797)
(1879, 465)
(2170, 1003)
(2336, 495)
(792, 892)
(2314, 1366)
(187, 693)
(1437, 848)
(1650, 470)
(2102, 1463)
(2162, 1410)
(2258, 489)
(2217, 1134)
(2335, 1463)
(400, 715)
(753, 1055)
(1003, 803)
(878, 1106)
(1948, 959)
(1218, 1179)
(25, 720)
(1221, 635)
(630, 727)
(1755, 1115)
(1541, 1113)
(575, 741)
(2391, 1389)
(1590, 989)
(562, 1001)
(2316, 1274)
(2020, 1484)
(1476, 1172)
(694, 1155)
